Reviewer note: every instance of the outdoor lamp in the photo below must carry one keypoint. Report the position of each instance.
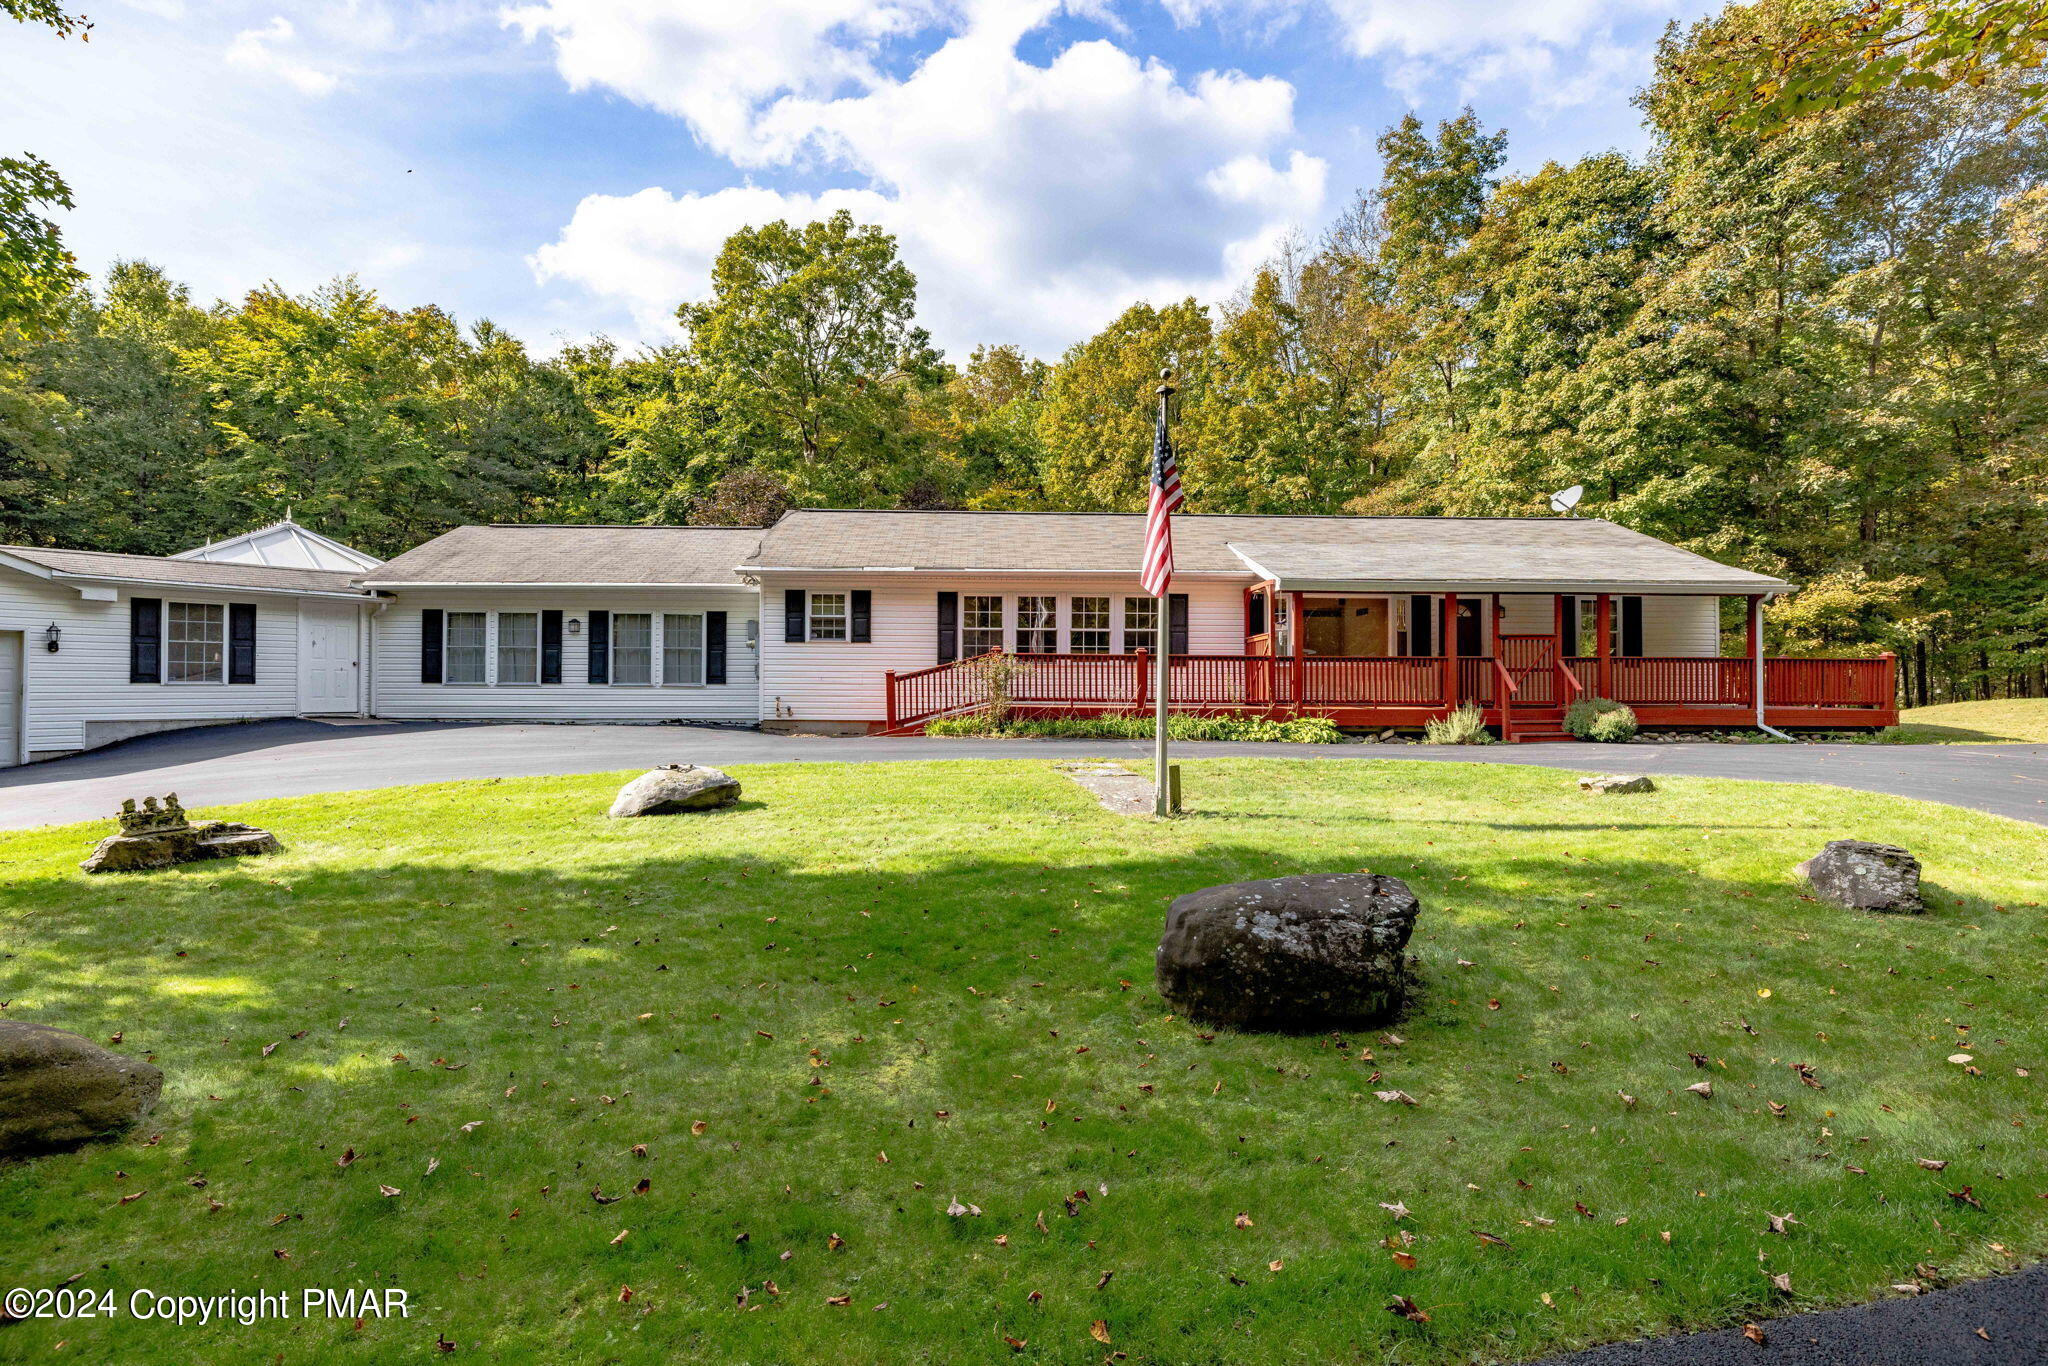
(575, 627)
(50, 636)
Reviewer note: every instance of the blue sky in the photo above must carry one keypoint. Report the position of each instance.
(568, 167)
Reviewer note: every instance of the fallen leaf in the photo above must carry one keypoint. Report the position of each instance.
(1703, 1089)
(1099, 1330)
(388, 1191)
(348, 1155)
(1753, 1333)
(1244, 1221)
(1407, 1309)
(1404, 1260)
(1391, 1096)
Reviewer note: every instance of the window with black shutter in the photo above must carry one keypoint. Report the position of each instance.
(550, 647)
(1632, 627)
(793, 615)
(863, 615)
(145, 640)
(430, 645)
(241, 642)
(600, 670)
(1177, 623)
(949, 627)
(1421, 638)
(714, 647)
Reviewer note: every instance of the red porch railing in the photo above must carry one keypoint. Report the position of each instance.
(1526, 675)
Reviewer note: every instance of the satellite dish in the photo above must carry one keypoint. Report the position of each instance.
(1566, 499)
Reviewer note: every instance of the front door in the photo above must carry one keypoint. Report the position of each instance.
(1471, 629)
(330, 669)
(12, 644)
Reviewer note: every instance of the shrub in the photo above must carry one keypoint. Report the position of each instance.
(1602, 719)
(1465, 726)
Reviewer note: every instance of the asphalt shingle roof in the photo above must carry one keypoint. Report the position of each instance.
(1302, 551)
(100, 564)
(573, 554)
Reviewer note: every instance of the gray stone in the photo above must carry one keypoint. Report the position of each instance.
(676, 787)
(1616, 784)
(1865, 877)
(59, 1090)
(159, 836)
(1291, 953)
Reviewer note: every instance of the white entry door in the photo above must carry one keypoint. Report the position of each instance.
(10, 698)
(330, 667)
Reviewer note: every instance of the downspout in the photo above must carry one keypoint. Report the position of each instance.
(369, 657)
(1761, 724)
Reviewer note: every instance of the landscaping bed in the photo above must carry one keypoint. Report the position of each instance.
(815, 1021)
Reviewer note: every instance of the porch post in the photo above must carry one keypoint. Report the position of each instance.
(1450, 650)
(1603, 645)
(1753, 649)
(889, 692)
(1297, 632)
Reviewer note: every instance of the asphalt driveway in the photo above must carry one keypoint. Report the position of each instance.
(219, 765)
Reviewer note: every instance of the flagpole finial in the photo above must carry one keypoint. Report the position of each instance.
(1165, 381)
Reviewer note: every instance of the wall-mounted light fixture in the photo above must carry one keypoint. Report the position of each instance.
(575, 627)
(51, 635)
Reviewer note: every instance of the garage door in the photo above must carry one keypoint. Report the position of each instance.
(10, 698)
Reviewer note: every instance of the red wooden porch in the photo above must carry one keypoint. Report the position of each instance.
(1522, 682)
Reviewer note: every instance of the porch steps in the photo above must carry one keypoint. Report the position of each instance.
(1540, 725)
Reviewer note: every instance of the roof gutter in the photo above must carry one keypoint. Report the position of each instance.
(346, 595)
(392, 584)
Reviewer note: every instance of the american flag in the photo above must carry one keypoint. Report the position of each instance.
(1157, 574)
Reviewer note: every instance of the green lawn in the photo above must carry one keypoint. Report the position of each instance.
(872, 990)
(1962, 722)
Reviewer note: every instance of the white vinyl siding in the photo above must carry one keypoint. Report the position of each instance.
(195, 642)
(682, 650)
(69, 693)
(399, 694)
(831, 681)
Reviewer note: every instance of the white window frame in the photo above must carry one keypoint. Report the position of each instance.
(482, 647)
(813, 618)
(498, 648)
(652, 651)
(1107, 629)
(699, 648)
(221, 665)
(1049, 630)
(981, 632)
(1124, 622)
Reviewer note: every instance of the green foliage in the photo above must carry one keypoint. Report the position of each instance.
(1100, 405)
(1817, 56)
(1466, 725)
(35, 269)
(1601, 719)
(1301, 730)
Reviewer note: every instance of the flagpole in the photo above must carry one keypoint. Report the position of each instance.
(1163, 641)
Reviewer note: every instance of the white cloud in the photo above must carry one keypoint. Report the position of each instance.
(263, 50)
(1034, 201)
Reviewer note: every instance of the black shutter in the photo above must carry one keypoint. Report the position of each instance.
(550, 647)
(793, 615)
(949, 627)
(1258, 615)
(863, 614)
(1570, 644)
(145, 640)
(1177, 623)
(714, 647)
(600, 647)
(1420, 635)
(1632, 627)
(430, 645)
(241, 642)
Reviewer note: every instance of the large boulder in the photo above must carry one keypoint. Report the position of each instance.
(59, 1090)
(158, 835)
(1325, 951)
(1864, 876)
(676, 787)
